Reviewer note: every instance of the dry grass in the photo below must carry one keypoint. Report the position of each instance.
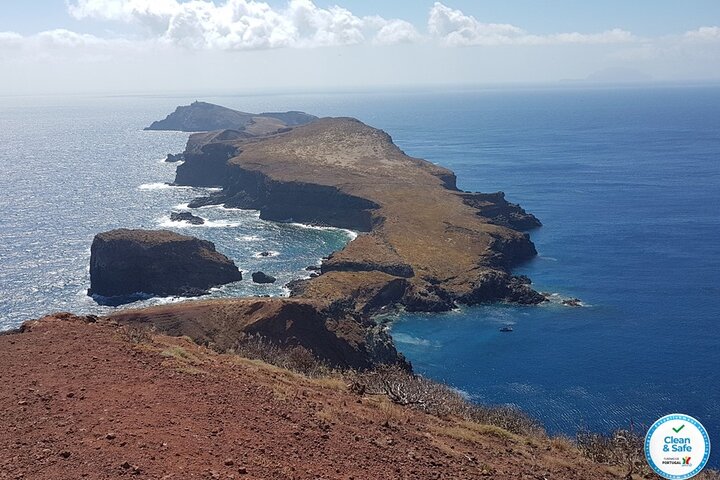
(394, 388)
(621, 448)
(488, 430)
(337, 383)
(136, 335)
(563, 444)
(294, 358)
(404, 388)
(181, 355)
(392, 415)
(466, 432)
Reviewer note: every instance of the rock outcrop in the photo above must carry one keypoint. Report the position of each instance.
(161, 263)
(499, 211)
(186, 217)
(203, 117)
(262, 277)
(338, 339)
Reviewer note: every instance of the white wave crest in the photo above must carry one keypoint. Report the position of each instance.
(249, 238)
(166, 300)
(159, 186)
(166, 222)
(352, 235)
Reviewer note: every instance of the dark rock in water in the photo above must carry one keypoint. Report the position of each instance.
(313, 268)
(496, 284)
(214, 199)
(262, 277)
(572, 302)
(172, 158)
(265, 254)
(314, 275)
(205, 117)
(156, 262)
(499, 211)
(186, 217)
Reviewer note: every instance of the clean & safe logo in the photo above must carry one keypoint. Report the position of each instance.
(677, 447)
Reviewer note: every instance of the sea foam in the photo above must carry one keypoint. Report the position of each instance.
(166, 222)
(352, 235)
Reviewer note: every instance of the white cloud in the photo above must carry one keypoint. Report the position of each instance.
(704, 34)
(53, 46)
(391, 32)
(9, 39)
(453, 28)
(254, 24)
(66, 38)
(246, 24)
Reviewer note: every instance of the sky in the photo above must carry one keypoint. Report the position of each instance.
(148, 46)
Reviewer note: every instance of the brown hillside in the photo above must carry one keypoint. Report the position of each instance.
(93, 400)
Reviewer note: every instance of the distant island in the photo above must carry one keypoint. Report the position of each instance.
(202, 116)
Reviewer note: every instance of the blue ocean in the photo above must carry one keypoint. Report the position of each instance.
(626, 182)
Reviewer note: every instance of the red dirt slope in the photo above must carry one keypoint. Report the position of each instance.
(94, 400)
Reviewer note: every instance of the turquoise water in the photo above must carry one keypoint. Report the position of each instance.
(626, 183)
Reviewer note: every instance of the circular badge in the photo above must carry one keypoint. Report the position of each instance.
(677, 447)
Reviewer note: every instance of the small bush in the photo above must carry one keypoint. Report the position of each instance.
(563, 444)
(137, 334)
(392, 415)
(294, 358)
(623, 448)
(404, 388)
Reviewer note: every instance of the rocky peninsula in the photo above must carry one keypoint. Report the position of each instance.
(424, 244)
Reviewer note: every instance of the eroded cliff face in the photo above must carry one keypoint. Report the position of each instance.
(495, 208)
(125, 262)
(337, 338)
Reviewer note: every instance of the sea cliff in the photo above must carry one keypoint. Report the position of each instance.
(124, 262)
